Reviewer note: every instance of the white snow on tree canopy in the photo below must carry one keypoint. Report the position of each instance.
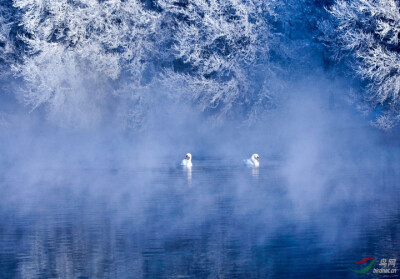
(369, 33)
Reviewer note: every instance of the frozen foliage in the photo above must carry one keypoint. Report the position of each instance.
(75, 49)
(77, 52)
(6, 48)
(237, 55)
(368, 33)
(216, 46)
(89, 60)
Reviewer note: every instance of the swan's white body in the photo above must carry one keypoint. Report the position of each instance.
(253, 161)
(187, 162)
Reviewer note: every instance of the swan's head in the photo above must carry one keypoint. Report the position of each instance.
(188, 156)
(256, 157)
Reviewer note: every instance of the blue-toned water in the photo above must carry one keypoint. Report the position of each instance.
(219, 220)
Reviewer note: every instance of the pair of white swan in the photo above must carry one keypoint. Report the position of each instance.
(254, 161)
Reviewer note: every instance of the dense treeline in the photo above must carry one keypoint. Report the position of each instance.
(229, 58)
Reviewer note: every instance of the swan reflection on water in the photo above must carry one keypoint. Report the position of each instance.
(158, 222)
(188, 174)
(255, 172)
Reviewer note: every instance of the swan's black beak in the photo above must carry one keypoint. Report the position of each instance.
(258, 158)
(186, 157)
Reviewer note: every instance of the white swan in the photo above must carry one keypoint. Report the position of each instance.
(253, 161)
(187, 162)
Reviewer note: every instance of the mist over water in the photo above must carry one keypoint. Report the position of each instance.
(111, 203)
(101, 100)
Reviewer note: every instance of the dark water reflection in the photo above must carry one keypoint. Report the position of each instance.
(217, 221)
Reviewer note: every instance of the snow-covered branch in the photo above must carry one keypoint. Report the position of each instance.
(74, 49)
(368, 33)
(215, 45)
(7, 54)
(220, 55)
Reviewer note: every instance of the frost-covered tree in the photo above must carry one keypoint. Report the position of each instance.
(367, 33)
(224, 56)
(7, 54)
(216, 47)
(238, 54)
(75, 49)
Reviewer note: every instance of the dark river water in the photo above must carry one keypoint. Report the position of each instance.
(219, 220)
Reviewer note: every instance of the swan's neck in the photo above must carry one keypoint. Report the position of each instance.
(255, 162)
